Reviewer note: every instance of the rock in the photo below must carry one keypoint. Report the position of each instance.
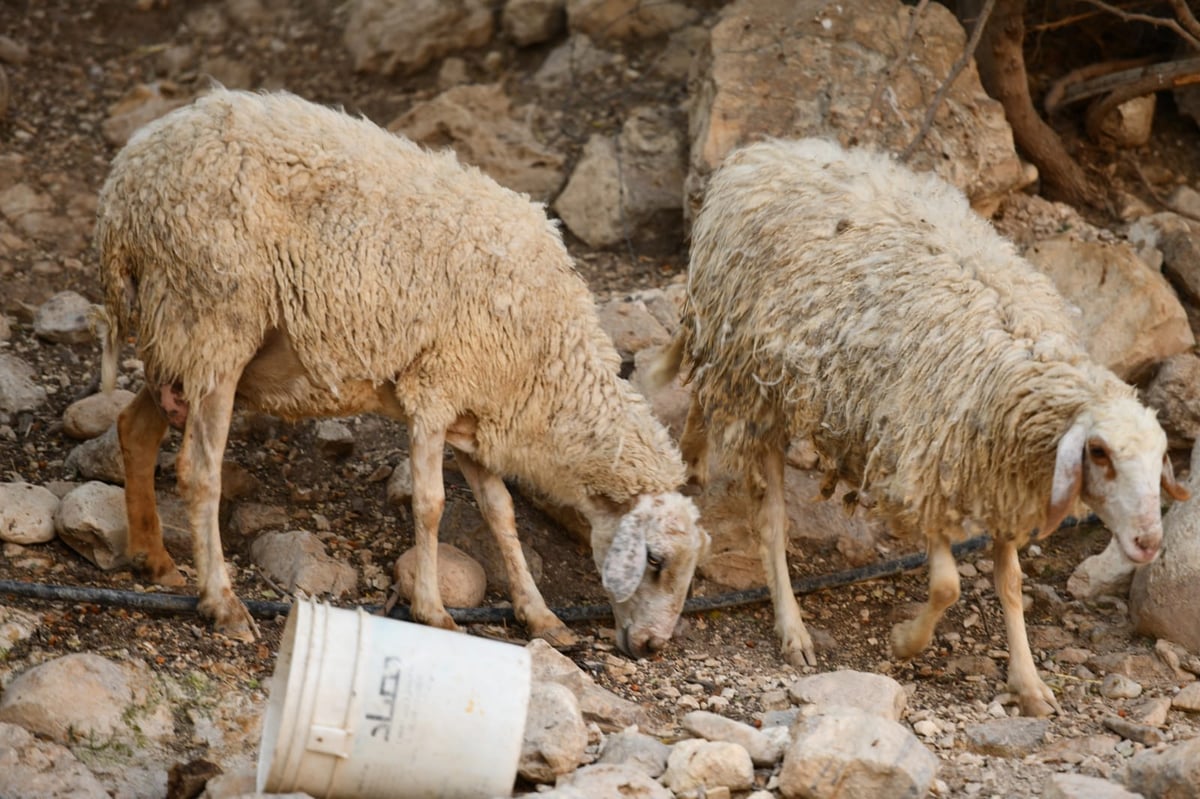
(89, 417)
(577, 56)
(15, 626)
(63, 319)
(98, 458)
(1151, 712)
(845, 752)
(251, 518)
(298, 561)
(34, 769)
(599, 705)
(823, 73)
(334, 439)
(635, 750)
(529, 22)
(462, 582)
(1007, 737)
(26, 513)
(19, 390)
(400, 484)
(91, 520)
(632, 327)
(1128, 125)
(696, 764)
(765, 747)
(876, 694)
(13, 51)
(86, 697)
(1118, 686)
(480, 125)
(1174, 772)
(1107, 574)
(1188, 698)
(1131, 317)
(1174, 392)
(630, 187)
(237, 482)
(606, 780)
(143, 103)
(1141, 733)
(1178, 238)
(31, 212)
(1164, 590)
(627, 19)
(400, 37)
(555, 734)
(1080, 786)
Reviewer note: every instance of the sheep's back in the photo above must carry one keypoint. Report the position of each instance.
(837, 296)
(243, 212)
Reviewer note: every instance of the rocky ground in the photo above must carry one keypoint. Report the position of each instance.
(69, 61)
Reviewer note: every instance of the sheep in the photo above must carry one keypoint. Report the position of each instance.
(307, 263)
(836, 296)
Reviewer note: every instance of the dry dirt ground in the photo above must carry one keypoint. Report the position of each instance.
(84, 56)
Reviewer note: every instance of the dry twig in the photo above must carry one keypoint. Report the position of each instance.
(1180, 8)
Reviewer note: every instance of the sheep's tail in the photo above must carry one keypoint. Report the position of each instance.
(665, 366)
(108, 330)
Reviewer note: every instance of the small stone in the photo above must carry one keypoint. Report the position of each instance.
(462, 582)
(695, 764)
(1133, 731)
(92, 415)
(926, 728)
(1007, 737)
(64, 319)
(1080, 786)
(1118, 686)
(334, 439)
(1188, 698)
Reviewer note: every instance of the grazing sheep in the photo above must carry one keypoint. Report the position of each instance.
(308, 263)
(836, 296)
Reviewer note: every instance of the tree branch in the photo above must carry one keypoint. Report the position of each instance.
(1193, 41)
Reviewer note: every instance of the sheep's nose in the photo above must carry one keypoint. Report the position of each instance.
(1149, 543)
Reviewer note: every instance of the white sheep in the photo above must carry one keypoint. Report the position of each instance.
(308, 263)
(836, 296)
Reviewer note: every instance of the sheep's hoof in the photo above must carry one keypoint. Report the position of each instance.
(800, 653)
(559, 637)
(1038, 702)
(159, 567)
(441, 619)
(230, 618)
(908, 639)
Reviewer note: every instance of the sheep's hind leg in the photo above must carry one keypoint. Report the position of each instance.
(429, 499)
(910, 637)
(1033, 695)
(199, 474)
(140, 429)
(771, 517)
(497, 507)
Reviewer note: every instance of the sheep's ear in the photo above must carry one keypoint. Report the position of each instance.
(1068, 478)
(625, 562)
(1176, 490)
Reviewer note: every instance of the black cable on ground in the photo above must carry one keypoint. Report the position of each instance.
(178, 603)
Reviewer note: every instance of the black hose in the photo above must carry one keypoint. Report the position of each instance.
(178, 603)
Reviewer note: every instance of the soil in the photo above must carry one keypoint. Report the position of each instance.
(86, 54)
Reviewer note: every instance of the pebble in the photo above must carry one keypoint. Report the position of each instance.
(1007, 737)
(1118, 686)
(1188, 698)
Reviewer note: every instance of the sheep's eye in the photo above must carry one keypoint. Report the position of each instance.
(1098, 454)
(655, 562)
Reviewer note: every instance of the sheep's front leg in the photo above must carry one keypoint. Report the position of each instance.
(497, 507)
(910, 637)
(771, 516)
(140, 429)
(428, 501)
(1033, 695)
(199, 473)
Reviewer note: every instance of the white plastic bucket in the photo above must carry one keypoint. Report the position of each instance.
(369, 707)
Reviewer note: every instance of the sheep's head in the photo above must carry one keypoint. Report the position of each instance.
(646, 565)
(1114, 458)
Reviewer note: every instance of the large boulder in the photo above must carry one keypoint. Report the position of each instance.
(824, 61)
